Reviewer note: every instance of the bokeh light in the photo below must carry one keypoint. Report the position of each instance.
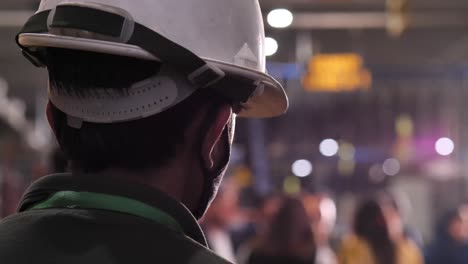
(292, 185)
(346, 168)
(271, 46)
(329, 147)
(404, 126)
(346, 152)
(391, 167)
(302, 168)
(280, 18)
(445, 146)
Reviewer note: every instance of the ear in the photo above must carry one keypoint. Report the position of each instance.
(49, 116)
(214, 133)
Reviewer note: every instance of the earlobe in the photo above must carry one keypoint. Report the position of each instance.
(214, 134)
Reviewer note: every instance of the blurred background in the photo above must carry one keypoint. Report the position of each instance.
(377, 91)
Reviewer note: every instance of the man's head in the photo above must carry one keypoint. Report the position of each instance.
(153, 85)
(200, 128)
(134, 145)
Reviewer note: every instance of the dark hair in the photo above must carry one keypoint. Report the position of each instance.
(289, 232)
(136, 145)
(370, 224)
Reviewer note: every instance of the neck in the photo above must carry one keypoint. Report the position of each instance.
(172, 179)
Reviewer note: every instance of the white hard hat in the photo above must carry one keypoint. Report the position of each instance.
(214, 44)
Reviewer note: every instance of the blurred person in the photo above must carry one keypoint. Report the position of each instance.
(378, 237)
(218, 220)
(268, 207)
(322, 214)
(398, 229)
(451, 241)
(244, 228)
(12, 180)
(287, 239)
(146, 124)
(257, 220)
(394, 221)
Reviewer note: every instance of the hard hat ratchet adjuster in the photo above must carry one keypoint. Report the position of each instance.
(206, 76)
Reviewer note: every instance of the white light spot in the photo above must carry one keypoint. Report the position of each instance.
(445, 146)
(280, 18)
(329, 147)
(302, 168)
(391, 167)
(271, 46)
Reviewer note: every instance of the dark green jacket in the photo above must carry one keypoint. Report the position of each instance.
(72, 234)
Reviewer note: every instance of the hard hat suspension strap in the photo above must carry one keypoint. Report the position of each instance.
(111, 26)
(108, 26)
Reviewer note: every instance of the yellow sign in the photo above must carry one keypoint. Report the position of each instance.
(337, 73)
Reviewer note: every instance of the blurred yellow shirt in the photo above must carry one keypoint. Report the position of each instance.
(357, 251)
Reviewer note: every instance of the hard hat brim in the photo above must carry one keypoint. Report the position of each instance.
(270, 102)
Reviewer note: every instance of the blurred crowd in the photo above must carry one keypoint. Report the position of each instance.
(301, 228)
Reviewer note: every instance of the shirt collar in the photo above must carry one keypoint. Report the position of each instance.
(46, 186)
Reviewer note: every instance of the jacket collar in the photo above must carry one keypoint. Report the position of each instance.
(46, 186)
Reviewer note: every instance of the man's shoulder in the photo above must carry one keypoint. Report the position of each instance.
(48, 233)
